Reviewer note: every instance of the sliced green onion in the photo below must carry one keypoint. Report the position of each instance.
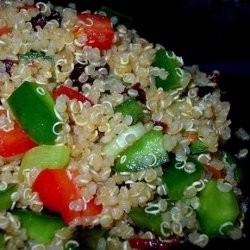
(125, 139)
(45, 156)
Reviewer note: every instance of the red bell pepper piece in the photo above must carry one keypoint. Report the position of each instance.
(216, 174)
(71, 93)
(57, 190)
(5, 30)
(98, 29)
(15, 141)
(192, 137)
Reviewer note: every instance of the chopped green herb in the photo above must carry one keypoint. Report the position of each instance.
(32, 55)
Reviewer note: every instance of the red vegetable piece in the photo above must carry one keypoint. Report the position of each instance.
(71, 93)
(15, 141)
(48, 189)
(192, 137)
(57, 190)
(92, 209)
(98, 29)
(216, 174)
(5, 30)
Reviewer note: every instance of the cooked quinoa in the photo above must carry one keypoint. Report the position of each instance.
(108, 78)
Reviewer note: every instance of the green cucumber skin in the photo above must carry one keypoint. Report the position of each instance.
(177, 180)
(147, 152)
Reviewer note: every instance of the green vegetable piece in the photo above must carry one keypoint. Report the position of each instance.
(89, 238)
(122, 19)
(45, 156)
(147, 152)
(198, 147)
(2, 242)
(233, 162)
(131, 107)
(217, 210)
(146, 221)
(40, 227)
(120, 143)
(177, 180)
(238, 174)
(35, 55)
(171, 63)
(33, 108)
(5, 196)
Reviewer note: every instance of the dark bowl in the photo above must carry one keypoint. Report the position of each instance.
(213, 35)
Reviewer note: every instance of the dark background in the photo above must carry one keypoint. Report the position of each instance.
(212, 33)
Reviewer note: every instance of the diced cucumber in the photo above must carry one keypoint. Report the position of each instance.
(171, 63)
(147, 152)
(40, 227)
(33, 107)
(123, 140)
(177, 180)
(45, 156)
(218, 210)
(131, 107)
(146, 221)
(198, 147)
(5, 196)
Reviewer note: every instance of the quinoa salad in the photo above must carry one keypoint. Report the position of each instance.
(106, 140)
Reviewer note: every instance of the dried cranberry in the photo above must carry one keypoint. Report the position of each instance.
(148, 244)
(163, 125)
(214, 76)
(175, 241)
(55, 15)
(75, 74)
(39, 20)
(141, 97)
(136, 86)
(8, 65)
